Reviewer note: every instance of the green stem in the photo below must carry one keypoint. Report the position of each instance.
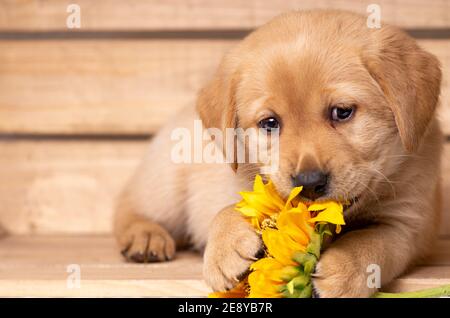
(425, 293)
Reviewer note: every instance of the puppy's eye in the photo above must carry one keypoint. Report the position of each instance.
(341, 113)
(269, 124)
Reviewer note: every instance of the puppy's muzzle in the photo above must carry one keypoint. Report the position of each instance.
(314, 183)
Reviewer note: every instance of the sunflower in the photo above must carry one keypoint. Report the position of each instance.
(292, 233)
(239, 291)
(330, 212)
(293, 249)
(268, 277)
(261, 203)
(292, 237)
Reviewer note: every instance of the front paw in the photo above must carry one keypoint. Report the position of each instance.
(145, 242)
(339, 274)
(228, 257)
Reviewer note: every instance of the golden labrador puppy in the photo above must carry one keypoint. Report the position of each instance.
(355, 111)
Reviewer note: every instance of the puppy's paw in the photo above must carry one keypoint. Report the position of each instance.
(338, 274)
(228, 257)
(144, 242)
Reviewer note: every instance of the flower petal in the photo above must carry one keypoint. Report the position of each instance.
(281, 246)
(329, 211)
(262, 284)
(294, 192)
(237, 292)
(295, 225)
(258, 185)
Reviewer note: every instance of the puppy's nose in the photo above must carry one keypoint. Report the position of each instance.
(314, 183)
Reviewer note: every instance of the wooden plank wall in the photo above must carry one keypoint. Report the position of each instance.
(76, 106)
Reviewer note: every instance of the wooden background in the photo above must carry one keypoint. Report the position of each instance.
(78, 106)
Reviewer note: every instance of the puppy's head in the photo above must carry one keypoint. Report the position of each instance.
(348, 101)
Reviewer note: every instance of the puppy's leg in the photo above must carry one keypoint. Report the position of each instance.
(232, 247)
(405, 232)
(153, 203)
(343, 269)
(140, 239)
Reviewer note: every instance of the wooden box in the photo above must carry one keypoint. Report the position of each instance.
(77, 107)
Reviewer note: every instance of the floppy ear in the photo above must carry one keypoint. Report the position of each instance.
(410, 79)
(216, 102)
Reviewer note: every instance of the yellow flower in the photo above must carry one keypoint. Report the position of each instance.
(261, 203)
(292, 241)
(281, 246)
(330, 212)
(296, 223)
(239, 291)
(273, 276)
(268, 276)
(291, 235)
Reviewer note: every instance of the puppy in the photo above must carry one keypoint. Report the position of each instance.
(355, 111)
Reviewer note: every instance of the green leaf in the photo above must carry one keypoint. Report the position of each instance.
(308, 267)
(290, 287)
(306, 292)
(290, 272)
(300, 282)
(294, 294)
(315, 244)
(302, 257)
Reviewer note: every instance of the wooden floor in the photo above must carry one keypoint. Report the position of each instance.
(41, 266)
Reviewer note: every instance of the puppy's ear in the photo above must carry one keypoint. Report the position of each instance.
(216, 102)
(410, 79)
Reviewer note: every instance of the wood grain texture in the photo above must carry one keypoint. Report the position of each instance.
(441, 49)
(421, 277)
(202, 14)
(54, 187)
(38, 266)
(118, 86)
(63, 186)
(100, 86)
